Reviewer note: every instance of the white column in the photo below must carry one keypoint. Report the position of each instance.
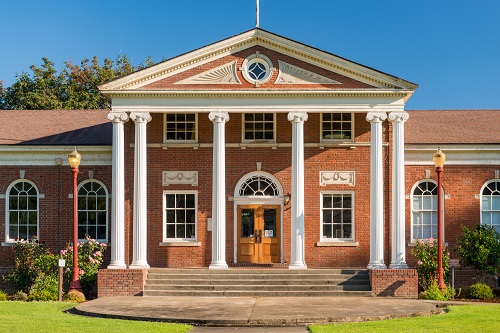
(118, 192)
(140, 245)
(398, 249)
(376, 191)
(297, 199)
(219, 120)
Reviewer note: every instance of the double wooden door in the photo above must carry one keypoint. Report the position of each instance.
(259, 233)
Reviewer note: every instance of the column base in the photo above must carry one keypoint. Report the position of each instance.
(117, 265)
(139, 265)
(297, 266)
(220, 265)
(376, 266)
(401, 265)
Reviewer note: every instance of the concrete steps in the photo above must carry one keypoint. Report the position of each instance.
(257, 282)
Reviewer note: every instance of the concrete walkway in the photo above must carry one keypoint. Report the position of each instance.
(255, 311)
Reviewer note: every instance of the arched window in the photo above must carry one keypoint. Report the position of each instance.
(490, 204)
(424, 210)
(22, 211)
(258, 185)
(93, 210)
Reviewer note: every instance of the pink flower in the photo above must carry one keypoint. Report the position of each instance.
(431, 240)
(104, 245)
(92, 260)
(419, 262)
(98, 254)
(81, 272)
(63, 252)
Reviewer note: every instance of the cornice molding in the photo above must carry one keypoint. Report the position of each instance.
(258, 37)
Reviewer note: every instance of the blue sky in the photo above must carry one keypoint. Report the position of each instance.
(450, 48)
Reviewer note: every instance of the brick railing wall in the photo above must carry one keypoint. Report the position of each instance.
(394, 282)
(121, 282)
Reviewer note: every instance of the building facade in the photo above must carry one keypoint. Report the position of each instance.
(255, 150)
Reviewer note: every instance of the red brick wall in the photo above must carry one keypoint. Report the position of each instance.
(394, 282)
(121, 282)
(55, 234)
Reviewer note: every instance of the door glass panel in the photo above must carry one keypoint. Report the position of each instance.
(269, 223)
(247, 223)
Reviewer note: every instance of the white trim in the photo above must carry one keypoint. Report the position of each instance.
(93, 180)
(336, 140)
(261, 59)
(353, 218)
(168, 241)
(7, 210)
(243, 179)
(47, 155)
(460, 154)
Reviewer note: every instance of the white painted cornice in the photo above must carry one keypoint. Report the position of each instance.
(47, 155)
(459, 154)
(246, 40)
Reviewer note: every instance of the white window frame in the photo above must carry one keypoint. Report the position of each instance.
(164, 235)
(102, 240)
(339, 139)
(412, 208)
(8, 239)
(482, 209)
(195, 140)
(353, 217)
(258, 140)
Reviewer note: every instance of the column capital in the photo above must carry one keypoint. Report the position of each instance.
(140, 116)
(376, 117)
(297, 116)
(398, 116)
(218, 116)
(118, 116)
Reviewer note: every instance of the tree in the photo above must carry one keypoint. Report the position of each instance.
(75, 87)
(479, 249)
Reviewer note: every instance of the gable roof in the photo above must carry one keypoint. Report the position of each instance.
(55, 127)
(453, 127)
(260, 37)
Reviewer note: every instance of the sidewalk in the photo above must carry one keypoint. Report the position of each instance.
(255, 311)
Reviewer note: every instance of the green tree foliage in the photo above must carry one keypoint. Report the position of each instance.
(479, 249)
(74, 87)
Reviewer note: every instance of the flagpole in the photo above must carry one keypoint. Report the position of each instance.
(257, 14)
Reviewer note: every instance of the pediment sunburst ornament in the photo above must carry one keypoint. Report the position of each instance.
(225, 74)
(290, 74)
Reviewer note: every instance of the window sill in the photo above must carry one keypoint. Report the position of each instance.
(7, 243)
(180, 243)
(413, 244)
(338, 244)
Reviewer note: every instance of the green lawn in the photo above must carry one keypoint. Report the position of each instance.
(48, 317)
(465, 318)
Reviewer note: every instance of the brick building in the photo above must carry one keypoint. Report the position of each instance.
(253, 150)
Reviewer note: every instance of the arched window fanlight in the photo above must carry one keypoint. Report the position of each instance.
(259, 185)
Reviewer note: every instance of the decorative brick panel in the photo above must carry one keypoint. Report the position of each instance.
(394, 282)
(121, 282)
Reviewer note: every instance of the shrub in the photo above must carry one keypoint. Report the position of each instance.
(74, 296)
(19, 296)
(90, 257)
(425, 251)
(479, 249)
(480, 291)
(45, 289)
(25, 271)
(434, 293)
(3, 296)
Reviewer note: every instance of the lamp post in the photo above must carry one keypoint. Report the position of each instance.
(74, 161)
(439, 158)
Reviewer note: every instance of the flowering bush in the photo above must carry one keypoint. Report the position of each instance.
(90, 257)
(425, 251)
(31, 263)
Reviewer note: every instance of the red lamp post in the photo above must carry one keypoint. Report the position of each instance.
(74, 159)
(439, 158)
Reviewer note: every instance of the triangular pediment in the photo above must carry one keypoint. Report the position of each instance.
(285, 63)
